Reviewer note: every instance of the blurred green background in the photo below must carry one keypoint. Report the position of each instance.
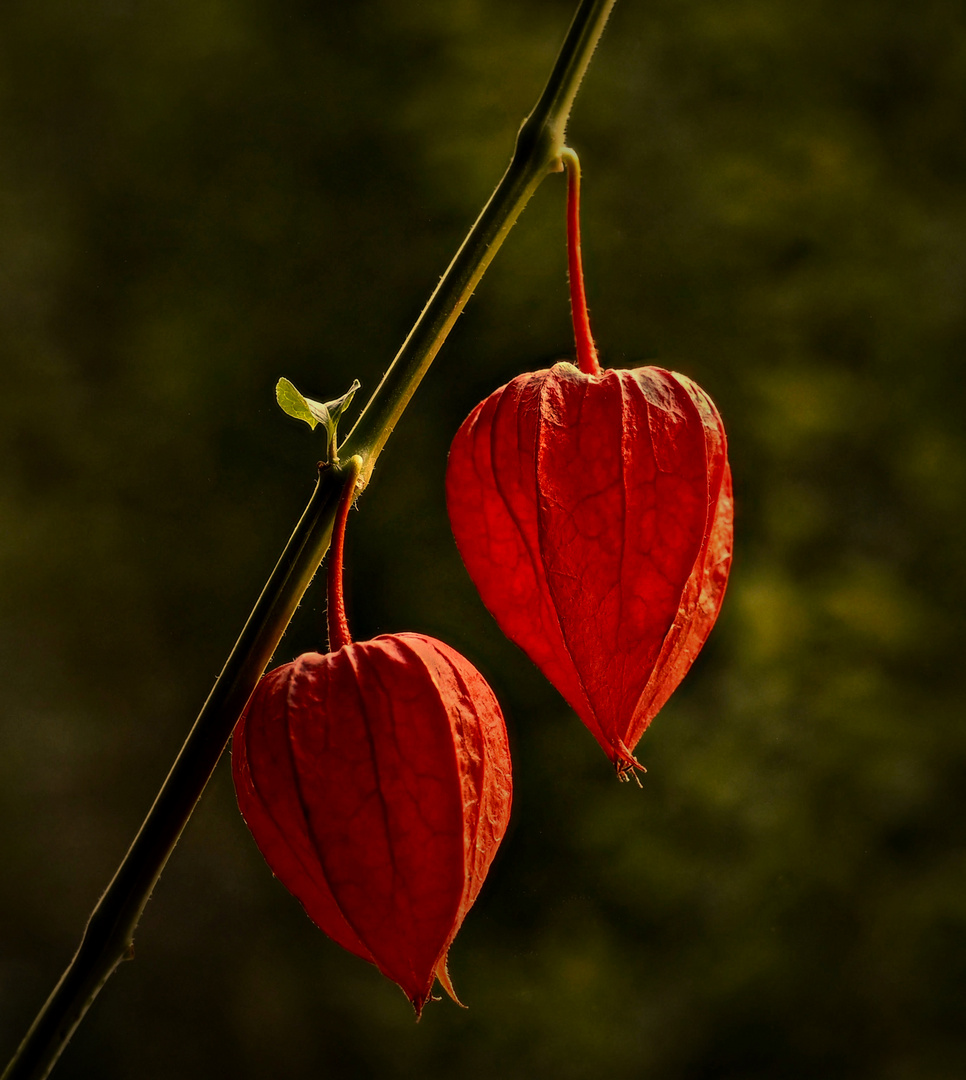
(200, 196)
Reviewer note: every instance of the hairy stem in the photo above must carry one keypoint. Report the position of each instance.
(108, 938)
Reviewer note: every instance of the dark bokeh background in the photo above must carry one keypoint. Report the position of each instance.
(199, 196)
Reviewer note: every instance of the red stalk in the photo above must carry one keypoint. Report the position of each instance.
(586, 350)
(339, 635)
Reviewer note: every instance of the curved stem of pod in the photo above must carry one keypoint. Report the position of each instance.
(586, 349)
(108, 938)
(339, 635)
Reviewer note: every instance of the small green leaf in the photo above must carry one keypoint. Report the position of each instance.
(312, 412)
(334, 409)
(292, 402)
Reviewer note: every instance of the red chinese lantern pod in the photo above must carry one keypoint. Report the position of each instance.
(376, 782)
(594, 515)
(593, 511)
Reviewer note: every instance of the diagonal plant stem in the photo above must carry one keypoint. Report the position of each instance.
(108, 937)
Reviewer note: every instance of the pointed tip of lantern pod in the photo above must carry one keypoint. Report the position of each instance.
(442, 973)
(419, 1002)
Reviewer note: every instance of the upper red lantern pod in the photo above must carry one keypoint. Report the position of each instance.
(593, 511)
(376, 782)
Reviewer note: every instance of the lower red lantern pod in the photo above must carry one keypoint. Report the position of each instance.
(376, 782)
(593, 511)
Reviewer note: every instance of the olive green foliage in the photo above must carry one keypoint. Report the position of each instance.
(201, 196)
